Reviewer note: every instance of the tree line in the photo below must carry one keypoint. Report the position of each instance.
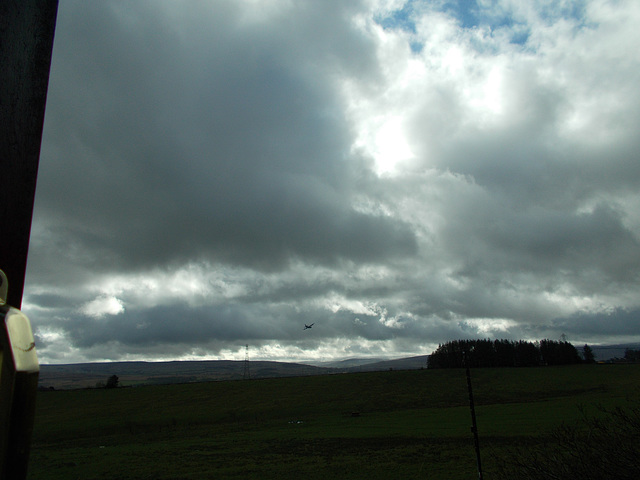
(112, 382)
(631, 355)
(505, 353)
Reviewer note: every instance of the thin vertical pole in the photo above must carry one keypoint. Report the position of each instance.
(474, 425)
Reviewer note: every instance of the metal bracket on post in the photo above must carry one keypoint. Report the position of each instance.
(19, 371)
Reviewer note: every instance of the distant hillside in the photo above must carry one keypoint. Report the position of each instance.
(348, 363)
(376, 364)
(410, 363)
(88, 375)
(602, 353)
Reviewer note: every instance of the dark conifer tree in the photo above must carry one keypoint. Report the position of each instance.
(587, 354)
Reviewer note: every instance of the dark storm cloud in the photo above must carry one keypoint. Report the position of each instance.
(178, 323)
(592, 325)
(398, 173)
(188, 326)
(539, 240)
(170, 142)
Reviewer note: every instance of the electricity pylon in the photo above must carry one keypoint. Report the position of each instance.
(246, 375)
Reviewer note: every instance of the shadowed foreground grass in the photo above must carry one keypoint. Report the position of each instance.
(396, 424)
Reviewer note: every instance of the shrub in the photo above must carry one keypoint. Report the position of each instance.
(602, 447)
(112, 382)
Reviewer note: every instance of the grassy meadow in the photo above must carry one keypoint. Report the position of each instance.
(412, 424)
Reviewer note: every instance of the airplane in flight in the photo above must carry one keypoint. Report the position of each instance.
(308, 326)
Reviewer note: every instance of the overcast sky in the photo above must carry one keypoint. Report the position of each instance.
(401, 174)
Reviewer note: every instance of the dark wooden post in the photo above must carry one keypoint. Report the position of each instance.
(26, 43)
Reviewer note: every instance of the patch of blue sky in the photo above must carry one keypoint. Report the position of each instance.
(467, 12)
(572, 10)
(470, 14)
(401, 19)
(492, 13)
(489, 14)
(416, 47)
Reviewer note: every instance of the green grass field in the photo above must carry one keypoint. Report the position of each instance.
(382, 425)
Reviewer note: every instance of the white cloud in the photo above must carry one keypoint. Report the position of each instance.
(102, 306)
(490, 326)
(401, 174)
